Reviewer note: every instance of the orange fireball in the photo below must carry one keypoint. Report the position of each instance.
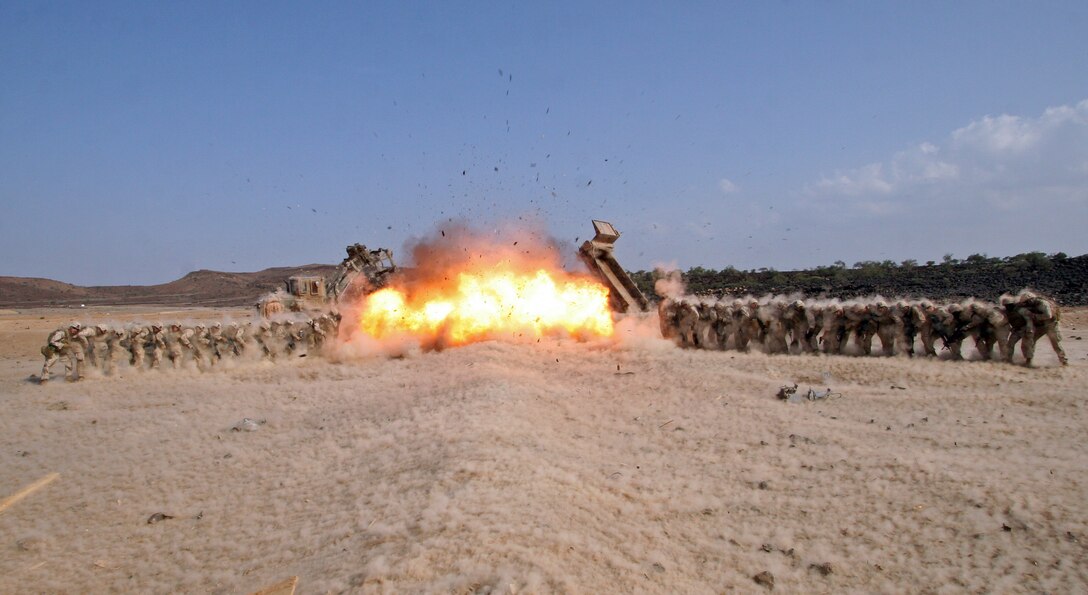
(489, 303)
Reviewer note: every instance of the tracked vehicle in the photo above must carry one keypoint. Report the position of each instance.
(362, 272)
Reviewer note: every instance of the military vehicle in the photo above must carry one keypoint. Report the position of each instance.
(362, 272)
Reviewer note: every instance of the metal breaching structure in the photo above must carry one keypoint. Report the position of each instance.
(623, 295)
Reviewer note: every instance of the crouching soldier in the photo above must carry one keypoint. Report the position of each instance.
(56, 347)
(992, 329)
(172, 338)
(939, 324)
(236, 338)
(265, 339)
(724, 326)
(667, 310)
(1030, 318)
(1046, 318)
(114, 349)
(316, 335)
(192, 340)
(687, 316)
(77, 350)
(217, 342)
(95, 337)
(136, 343)
(156, 340)
(913, 317)
(834, 335)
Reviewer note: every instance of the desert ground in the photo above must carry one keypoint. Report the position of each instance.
(553, 466)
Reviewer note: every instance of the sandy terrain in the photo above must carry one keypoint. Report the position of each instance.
(551, 466)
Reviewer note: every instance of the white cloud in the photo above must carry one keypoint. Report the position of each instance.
(1001, 134)
(727, 186)
(869, 179)
(1005, 162)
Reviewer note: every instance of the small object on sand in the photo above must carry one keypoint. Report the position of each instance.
(28, 490)
(158, 516)
(284, 587)
(765, 579)
(824, 569)
(786, 392)
(790, 394)
(247, 425)
(30, 544)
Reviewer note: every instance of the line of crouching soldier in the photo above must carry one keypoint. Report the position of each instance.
(780, 325)
(146, 345)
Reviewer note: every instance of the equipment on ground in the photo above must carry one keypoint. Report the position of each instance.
(362, 272)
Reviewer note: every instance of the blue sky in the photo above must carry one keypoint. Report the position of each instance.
(142, 140)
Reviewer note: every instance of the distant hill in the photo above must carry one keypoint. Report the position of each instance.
(199, 288)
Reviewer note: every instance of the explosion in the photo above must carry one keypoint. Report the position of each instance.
(471, 289)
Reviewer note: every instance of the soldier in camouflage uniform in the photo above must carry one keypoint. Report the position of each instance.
(95, 338)
(939, 324)
(156, 341)
(114, 349)
(1042, 317)
(796, 322)
(57, 346)
(173, 344)
(136, 342)
(888, 326)
(687, 315)
(705, 335)
(724, 324)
